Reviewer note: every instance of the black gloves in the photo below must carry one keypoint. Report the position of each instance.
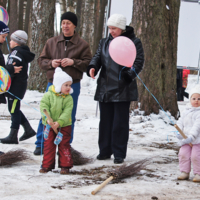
(128, 75)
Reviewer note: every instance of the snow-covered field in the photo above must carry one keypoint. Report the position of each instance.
(150, 137)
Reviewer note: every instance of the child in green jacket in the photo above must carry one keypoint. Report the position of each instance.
(58, 103)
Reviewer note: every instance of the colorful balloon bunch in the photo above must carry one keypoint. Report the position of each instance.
(5, 80)
(4, 15)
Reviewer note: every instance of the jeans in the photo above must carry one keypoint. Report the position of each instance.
(39, 136)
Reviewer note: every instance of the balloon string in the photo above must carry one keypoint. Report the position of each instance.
(25, 102)
(120, 73)
(42, 131)
(133, 69)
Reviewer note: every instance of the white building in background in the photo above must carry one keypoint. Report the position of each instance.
(189, 34)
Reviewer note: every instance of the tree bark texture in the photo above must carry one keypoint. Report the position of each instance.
(42, 30)
(156, 24)
(13, 16)
(28, 12)
(21, 15)
(99, 11)
(90, 14)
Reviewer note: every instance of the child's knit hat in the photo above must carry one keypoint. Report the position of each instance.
(195, 90)
(59, 78)
(3, 28)
(20, 37)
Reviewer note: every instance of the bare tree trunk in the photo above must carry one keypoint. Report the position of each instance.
(156, 24)
(21, 14)
(63, 6)
(88, 22)
(42, 29)
(79, 13)
(99, 11)
(13, 16)
(28, 14)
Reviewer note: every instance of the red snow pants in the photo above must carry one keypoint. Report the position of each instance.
(65, 158)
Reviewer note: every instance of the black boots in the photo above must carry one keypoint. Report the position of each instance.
(29, 132)
(38, 151)
(11, 138)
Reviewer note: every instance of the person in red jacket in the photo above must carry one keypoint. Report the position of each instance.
(185, 82)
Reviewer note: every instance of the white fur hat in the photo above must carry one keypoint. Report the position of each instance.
(117, 20)
(59, 78)
(195, 90)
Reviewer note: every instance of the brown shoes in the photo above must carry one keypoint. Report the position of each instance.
(44, 170)
(64, 171)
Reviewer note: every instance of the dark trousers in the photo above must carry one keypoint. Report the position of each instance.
(65, 159)
(181, 93)
(114, 128)
(17, 117)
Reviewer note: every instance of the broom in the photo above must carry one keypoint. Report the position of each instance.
(181, 132)
(77, 157)
(13, 156)
(124, 171)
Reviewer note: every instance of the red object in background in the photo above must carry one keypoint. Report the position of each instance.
(185, 77)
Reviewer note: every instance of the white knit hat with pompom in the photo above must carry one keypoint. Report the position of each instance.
(59, 78)
(195, 90)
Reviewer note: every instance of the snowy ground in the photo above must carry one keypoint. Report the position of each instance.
(150, 137)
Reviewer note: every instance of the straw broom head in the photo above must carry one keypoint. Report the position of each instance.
(79, 159)
(128, 170)
(13, 156)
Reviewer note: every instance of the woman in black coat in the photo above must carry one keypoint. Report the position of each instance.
(113, 93)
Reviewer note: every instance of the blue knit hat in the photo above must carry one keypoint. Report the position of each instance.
(3, 28)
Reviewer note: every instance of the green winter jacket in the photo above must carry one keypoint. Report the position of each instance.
(59, 107)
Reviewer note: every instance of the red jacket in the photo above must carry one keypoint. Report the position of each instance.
(185, 77)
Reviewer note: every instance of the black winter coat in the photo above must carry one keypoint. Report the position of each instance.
(21, 55)
(111, 88)
(2, 63)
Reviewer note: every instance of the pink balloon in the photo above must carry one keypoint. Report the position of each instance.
(123, 51)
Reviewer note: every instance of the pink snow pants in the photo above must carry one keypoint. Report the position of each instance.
(188, 155)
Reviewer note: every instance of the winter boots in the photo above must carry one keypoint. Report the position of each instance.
(29, 132)
(184, 176)
(11, 138)
(196, 178)
(38, 151)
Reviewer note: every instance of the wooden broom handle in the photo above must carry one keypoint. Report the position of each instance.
(102, 185)
(50, 119)
(181, 132)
